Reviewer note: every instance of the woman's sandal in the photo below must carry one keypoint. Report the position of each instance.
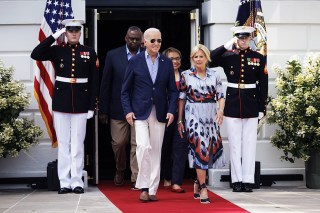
(204, 200)
(196, 189)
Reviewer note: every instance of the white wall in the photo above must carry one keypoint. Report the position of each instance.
(19, 27)
(293, 28)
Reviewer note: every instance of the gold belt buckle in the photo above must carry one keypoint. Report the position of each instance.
(73, 80)
(242, 86)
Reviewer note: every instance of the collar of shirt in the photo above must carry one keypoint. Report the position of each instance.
(152, 66)
(129, 54)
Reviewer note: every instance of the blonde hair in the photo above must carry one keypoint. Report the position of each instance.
(204, 49)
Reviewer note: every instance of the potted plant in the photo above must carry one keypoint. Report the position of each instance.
(295, 109)
(16, 133)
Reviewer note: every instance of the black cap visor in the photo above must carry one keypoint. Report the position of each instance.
(73, 28)
(243, 35)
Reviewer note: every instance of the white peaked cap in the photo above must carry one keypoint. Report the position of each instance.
(242, 30)
(72, 22)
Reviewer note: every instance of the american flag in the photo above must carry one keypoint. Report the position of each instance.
(250, 14)
(55, 12)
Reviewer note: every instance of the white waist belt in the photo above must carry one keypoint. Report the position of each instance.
(72, 80)
(242, 86)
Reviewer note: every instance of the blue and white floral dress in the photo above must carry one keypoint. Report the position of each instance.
(201, 95)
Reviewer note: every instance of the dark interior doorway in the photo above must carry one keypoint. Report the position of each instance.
(111, 30)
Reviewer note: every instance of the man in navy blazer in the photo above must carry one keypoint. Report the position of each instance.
(111, 107)
(149, 96)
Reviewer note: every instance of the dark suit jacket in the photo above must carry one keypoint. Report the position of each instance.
(111, 83)
(139, 93)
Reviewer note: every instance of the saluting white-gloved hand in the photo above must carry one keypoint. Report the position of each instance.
(57, 34)
(90, 114)
(261, 114)
(229, 43)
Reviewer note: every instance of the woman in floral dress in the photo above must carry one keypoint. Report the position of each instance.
(202, 101)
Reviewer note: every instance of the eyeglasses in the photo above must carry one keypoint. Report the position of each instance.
(176, 59)
(159, 40)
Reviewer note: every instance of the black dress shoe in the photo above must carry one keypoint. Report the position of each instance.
(133, 186)
(237, 187)
(64, 190)
(245, 187)
(78, 190)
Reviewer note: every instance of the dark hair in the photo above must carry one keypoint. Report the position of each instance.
(133, 28)
(171, 49)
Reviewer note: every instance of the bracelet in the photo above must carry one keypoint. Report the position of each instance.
(179, 122)
(221, 110)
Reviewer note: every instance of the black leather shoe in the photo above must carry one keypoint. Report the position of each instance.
(245, 187)
(237, 187)
(133, 186)
(78, 190)
(64, 190)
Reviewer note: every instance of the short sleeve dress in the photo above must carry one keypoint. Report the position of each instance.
(201, 95)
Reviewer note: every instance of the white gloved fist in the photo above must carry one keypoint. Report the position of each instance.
(90, 114)
(260, 115)
(229, 43)
(57, 34)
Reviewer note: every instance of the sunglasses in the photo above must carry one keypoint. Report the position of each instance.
(159, 40)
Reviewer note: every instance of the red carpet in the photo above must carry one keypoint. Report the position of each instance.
(128, 200)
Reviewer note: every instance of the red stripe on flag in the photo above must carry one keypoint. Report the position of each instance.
(44, 108)
(45, 113)
(45, 77)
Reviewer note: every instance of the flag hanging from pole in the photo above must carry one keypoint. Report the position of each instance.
(250, 14)
(55, 11)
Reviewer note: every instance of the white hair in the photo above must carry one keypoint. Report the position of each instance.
(150, 30)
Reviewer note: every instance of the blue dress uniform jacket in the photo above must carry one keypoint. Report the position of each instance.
(72, 62)
(111, 83)
(243, 67)
(139, 93)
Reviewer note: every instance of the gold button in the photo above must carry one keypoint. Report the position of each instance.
(242, 70)
(73, 59)
(73, 54)
(242, 59)
(242, 76)
(72, 70)
(73, 65)
(72, 50)
(242, 81)
(72, 75)
(242, 55)
(242, 65)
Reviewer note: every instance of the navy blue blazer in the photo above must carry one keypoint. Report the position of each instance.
(111, 83)
(139, 93)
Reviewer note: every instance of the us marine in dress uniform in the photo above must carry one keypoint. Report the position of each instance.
(73, 101)
(246, 98)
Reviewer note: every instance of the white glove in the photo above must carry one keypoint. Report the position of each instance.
(90, 114)
(260, 115)
(229, 43)
(57, 34)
